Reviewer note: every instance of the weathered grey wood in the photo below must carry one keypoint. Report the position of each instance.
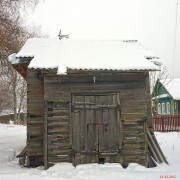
(87, 120)
(126, 107)
(95, 135)
(58, 133)
(58, 123)
(35, 122)
(154, 146)
(148, 100)
(58, 118)
(134, 136)
(45, 145)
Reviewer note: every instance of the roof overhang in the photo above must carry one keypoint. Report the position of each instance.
(161, 96)
(20, 64)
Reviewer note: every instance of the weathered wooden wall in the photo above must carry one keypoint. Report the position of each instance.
(96, 127)
(57, 128)
(134, 110)
(35, 119)
(135, 145)
(35, 110)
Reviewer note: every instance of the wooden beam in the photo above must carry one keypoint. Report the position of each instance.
(45, 138)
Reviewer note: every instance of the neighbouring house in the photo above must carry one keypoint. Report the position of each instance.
(167, 96)
(166, 100)
(88, 101)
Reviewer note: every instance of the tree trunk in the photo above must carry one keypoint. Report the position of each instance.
(15, 97)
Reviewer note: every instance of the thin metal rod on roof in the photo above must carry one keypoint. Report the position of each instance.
(62, 36)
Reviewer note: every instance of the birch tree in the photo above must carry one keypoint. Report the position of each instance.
(13, 34)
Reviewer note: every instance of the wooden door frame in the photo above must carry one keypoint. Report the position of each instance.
(91, 93)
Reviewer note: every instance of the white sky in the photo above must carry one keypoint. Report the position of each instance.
(152, 22)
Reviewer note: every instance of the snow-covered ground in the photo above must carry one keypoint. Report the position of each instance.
(12, 141)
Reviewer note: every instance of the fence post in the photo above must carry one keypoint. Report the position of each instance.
(165, 123)
(175, 123)
(162, 119)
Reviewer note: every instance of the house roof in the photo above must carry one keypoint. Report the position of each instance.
(173, 87)
(123, 55)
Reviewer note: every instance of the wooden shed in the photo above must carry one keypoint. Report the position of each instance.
(88, 102)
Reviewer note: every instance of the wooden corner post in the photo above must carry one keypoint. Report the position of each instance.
(45, 137)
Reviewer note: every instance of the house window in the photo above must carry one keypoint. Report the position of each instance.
(172, 107)
(159, 108)
(163, 108)
(175, 106)
(168, 108)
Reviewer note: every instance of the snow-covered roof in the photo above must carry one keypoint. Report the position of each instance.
(173, 87)
(87, 54)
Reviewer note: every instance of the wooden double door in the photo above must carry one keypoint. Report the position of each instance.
(96, 127)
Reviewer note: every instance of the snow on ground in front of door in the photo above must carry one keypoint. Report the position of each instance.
(13, 138)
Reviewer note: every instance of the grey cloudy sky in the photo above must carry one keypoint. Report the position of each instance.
(152, 22)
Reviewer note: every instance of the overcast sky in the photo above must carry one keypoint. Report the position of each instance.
(151, 22)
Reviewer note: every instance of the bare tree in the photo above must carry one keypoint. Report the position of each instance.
(5, 95)
(13, 35)
(21, 90)
(155, 77)
(158, 75)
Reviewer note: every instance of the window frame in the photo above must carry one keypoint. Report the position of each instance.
(159, 108)
(168, 108)
(163, 108)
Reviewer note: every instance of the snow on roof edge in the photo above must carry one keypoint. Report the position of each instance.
(47, 53)
(172, 86)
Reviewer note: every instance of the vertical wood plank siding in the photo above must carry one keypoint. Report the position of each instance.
(133, 92)
(35, 123)
(148, 101)
(35, 111)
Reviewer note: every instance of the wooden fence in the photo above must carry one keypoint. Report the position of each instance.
(165, 123)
